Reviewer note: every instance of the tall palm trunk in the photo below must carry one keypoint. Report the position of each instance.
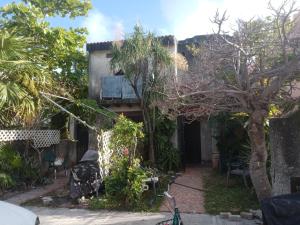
(259, 155)
(149, 129)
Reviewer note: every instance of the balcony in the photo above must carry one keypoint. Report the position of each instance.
(118, 89)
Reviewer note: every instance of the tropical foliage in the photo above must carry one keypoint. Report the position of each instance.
(125, 136)
(232, 139)
(14, 170)
(37, 57)
(23, 74)
(124, 186)
(143, 60)
(167, 156)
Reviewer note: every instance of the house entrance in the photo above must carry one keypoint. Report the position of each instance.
(82, 137)
(192, 143)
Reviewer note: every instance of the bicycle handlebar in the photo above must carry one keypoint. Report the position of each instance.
(171, 198)
(167, 194)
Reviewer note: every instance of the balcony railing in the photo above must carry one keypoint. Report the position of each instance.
(117, 87)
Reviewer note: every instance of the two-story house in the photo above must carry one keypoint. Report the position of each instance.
(112, 90)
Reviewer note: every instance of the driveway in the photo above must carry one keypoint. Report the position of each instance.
(63, 216)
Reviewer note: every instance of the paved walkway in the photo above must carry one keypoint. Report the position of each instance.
(187, 191)
(40, 191)
(63, 216)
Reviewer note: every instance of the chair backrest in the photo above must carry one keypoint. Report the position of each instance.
(49, 156)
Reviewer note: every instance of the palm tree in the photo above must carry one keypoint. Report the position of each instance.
(22, 75)
(143, 59)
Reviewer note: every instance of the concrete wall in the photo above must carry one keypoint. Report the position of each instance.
(285, 152)
(99, 65)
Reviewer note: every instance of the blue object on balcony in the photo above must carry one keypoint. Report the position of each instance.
(118, 87)
(127, 90)
(111, 86)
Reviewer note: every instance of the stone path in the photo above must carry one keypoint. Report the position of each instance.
(187, 191)
(63, 216)
(19, 199)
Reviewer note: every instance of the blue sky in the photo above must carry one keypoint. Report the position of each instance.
(111, 19)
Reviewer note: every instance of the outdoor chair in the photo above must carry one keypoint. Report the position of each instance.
(238, 168)
(55, 162)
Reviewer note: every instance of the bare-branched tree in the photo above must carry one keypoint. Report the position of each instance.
(247, 71)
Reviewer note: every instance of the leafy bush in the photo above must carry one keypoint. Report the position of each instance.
(30, 173)
(150, 200)
(6, 181)
(124, 185)
(10, 165)
(125, 136)
(14, 169)
(10, 160)
(167, 157)
(232, 140)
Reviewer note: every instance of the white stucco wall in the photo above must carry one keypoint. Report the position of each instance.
(99, 65)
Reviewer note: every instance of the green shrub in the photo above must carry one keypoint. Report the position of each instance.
(232, 138)
(10, 166)
(100, 203)
(30, 173)
(167, 157)
(10, 160)
(14, 169)
(124, 186)
(125, 136)
(6, 181)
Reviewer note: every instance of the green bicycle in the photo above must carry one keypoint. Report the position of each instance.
(175, 219)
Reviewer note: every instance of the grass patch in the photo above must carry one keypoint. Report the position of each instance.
(148, 203)
(234, 198)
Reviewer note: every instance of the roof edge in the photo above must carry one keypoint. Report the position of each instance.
(168, 40)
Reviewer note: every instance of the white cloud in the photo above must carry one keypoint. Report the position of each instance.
(196, 20)
(102, 28)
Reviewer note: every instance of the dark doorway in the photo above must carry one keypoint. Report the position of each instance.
(192, 143)
(82, 137)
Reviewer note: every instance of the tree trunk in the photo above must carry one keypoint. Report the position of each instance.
(259, 155)
(149, 130)
(151, 147)
(149, 126)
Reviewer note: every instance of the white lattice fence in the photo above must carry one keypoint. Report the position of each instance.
(104, 152)
(40, 138)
